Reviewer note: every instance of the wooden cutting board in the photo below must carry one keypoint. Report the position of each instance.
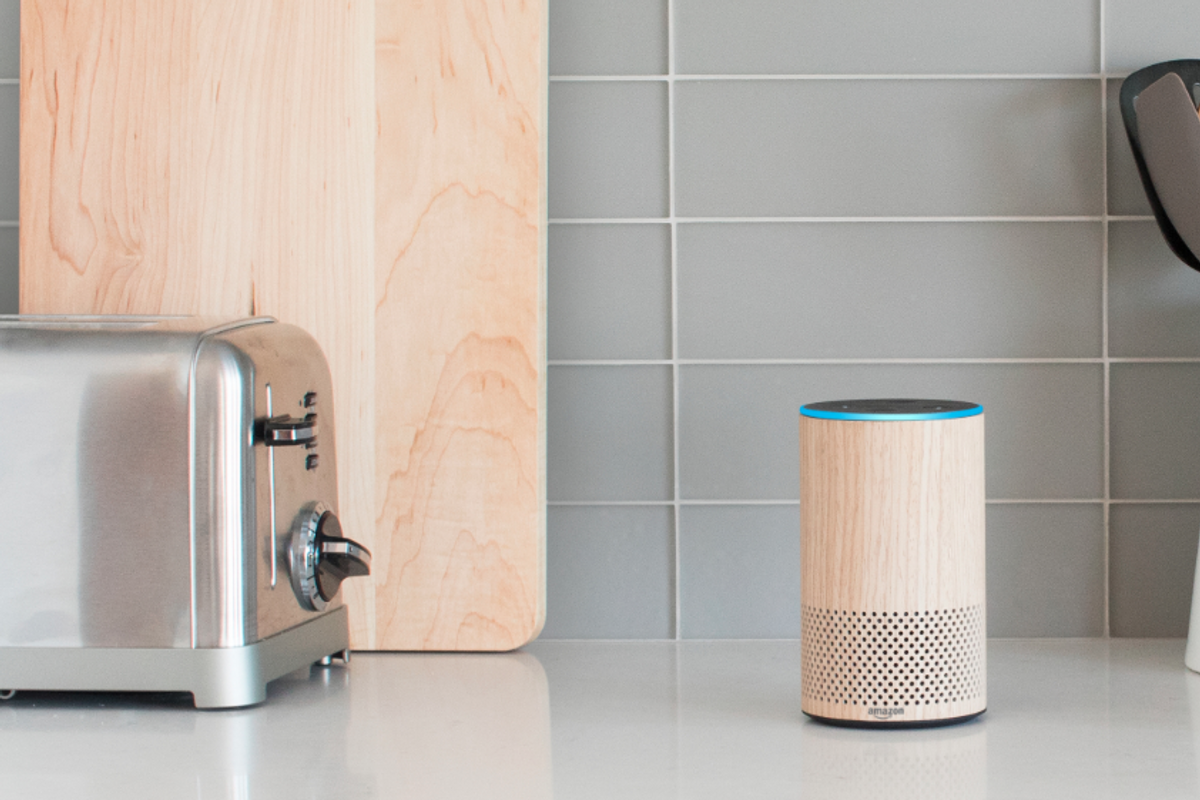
(371, 171)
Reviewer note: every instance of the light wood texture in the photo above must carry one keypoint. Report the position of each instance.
(460, 379)
(892, 514)
(370, 171)
(892, 523)
(214, 158)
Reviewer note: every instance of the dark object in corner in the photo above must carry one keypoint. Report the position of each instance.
(1159, 110)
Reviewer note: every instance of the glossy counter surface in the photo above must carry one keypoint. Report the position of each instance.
(1066, 719)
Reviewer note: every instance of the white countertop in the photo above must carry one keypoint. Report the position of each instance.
(565, 720)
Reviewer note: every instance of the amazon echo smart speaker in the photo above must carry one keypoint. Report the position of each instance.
(893, 615)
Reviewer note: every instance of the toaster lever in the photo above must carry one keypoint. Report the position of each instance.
(286, 431)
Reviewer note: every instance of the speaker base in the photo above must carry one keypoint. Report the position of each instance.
(919, 723)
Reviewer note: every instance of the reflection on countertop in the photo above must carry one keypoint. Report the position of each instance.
(1067, 718)
(394, 726)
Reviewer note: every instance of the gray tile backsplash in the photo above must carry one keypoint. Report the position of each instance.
(873, 147)
(880, 36)
(1141, 32)
(610, 291)
(739, 575)
(10, 38)
(9, 270)
(1153, 297)
(1125, 193)
(1045, 570)
(739, 424)
(1152, 565)
(965, 290)
(616, 37)
(609, 572)
(609, 433)
(1156, 431)
(9, 129)
(608, 149)
(763, 203)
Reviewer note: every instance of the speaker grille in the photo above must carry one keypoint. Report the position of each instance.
(896, 658)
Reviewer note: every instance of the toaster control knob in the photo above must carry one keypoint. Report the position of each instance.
(341, 558)
(285, 430)
(321, 558)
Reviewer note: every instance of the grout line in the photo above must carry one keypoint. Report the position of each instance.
(1153, 360)
(1154, 502)
(609, 221)
(677, 622)
(882, 76)
(788, 362)
(1132, 641)
(1002, 501)
(543, 640)
(10, 81)
(843, 362)
(611, 503)
(1047, 501)
(632, 78)
(904, 219)
(818, 219)
(792, 502)
(1106, 514)
(610, 362)
(810, 76)
(8, 223)
(675, 393)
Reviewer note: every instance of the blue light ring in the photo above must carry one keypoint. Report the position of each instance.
(864, 417)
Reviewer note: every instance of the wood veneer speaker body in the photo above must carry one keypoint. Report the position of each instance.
(892, 562)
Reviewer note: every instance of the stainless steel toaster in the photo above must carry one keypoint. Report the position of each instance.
(169, 490)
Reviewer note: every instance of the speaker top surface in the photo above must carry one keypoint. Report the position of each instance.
(891, 410)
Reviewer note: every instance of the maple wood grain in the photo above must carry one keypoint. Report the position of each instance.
(370, 171)
(460, 386)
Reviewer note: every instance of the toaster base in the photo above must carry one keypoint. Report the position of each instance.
(218, 677)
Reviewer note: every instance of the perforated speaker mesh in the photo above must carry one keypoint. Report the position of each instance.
(898, 658)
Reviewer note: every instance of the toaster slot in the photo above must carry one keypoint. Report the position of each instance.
(271, 488)
(285, 430)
